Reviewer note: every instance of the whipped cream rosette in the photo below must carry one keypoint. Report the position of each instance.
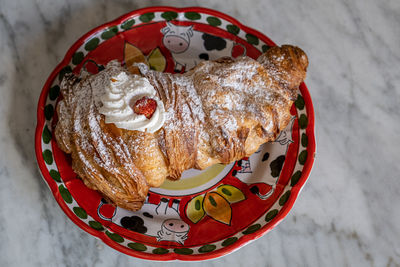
(119, 96)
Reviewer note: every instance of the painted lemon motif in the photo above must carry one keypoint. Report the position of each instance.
(157, 60)
(231, 193)
(194, 209)
(133, 55)
(217, 207)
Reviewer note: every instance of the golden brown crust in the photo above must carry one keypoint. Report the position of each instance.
(286, 64)
(218, 112)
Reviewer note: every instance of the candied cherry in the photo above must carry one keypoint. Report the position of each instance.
(145, 106)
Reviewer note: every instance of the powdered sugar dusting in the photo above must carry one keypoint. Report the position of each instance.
(218, 112)
(215, 103)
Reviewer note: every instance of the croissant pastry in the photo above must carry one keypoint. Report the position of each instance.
(218, 112)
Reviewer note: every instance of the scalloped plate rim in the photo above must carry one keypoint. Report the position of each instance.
(172, 256)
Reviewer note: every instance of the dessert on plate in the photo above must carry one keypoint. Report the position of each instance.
(128, 132)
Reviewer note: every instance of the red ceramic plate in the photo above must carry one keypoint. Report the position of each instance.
(207, 213)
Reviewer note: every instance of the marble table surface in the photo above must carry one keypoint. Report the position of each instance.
(348, 213)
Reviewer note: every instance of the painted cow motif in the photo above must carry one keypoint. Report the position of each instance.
(274, 158)
(178, 40)
(158, 220)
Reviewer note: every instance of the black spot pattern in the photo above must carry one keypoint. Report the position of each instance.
(265, 157)
(276, 165)
(204, 56)
(148, 215)
(254, 190)
(134, 223)
(212, 42)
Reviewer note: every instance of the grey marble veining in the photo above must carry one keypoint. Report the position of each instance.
(347, 214)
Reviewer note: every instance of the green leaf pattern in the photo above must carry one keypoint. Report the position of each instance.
(78, 57)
